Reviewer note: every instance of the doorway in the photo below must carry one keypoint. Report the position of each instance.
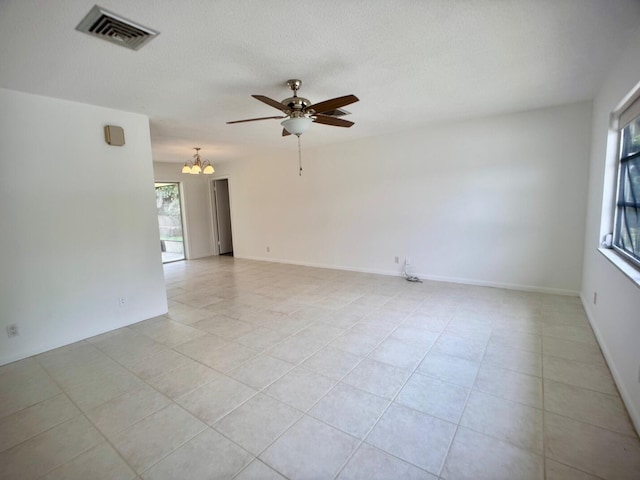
(222, 217)
(170, 221)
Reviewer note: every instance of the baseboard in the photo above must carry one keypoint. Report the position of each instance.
(507, 286)
(45, 347)
(423, 276)
(624, 394)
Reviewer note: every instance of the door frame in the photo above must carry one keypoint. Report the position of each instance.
(213, 217)
(183, 213)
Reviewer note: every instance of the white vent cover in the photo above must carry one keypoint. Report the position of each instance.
(109, 26)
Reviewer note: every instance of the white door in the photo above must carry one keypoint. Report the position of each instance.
(223, 216)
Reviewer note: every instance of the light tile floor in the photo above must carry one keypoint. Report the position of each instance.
(271, 371)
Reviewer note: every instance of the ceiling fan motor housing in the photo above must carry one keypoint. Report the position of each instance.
(296, 103)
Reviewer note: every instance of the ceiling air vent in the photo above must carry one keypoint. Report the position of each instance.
(115, 29)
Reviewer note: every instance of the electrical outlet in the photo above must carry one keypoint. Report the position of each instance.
(122, 301)
(268, 249)
(407, 261)
(595, 297)
(12, 330)
(397, 259)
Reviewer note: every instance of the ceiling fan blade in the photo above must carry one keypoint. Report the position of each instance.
(271, 102)
(334, 103)
(284, 132)
(254, 119)
(336, 122)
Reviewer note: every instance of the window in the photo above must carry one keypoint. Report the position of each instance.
(626, 238)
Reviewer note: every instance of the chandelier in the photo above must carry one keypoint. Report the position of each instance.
(198, 165)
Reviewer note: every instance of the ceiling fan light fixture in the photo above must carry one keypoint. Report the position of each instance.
(296, 125)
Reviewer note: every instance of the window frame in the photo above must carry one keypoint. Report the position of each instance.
(632, 113)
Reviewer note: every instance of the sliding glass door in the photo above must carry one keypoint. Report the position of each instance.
(170, 221)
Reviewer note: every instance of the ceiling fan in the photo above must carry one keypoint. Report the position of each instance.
(300, 112)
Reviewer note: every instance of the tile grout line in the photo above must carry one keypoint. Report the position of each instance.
(305, 412)
(375, 423)
(323, 396)
(82, 413)
(245, 401)
(466, 402)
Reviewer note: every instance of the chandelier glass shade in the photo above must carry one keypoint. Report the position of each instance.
(198, 165)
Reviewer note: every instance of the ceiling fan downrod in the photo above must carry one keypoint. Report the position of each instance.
(299, 157)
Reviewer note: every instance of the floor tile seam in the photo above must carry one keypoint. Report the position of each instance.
(602, 365)
(392, 400)
(256, 459)
(73, 417)
(388, 336)
(474, 388)
(98, 346)
(146, 383)
(147, 413)
(250, 397)
(104, 442)
(592, 344)
(337, 382)
(497, 397)
(174, 370)
(448, 382)
(83, 414)
(617, 394)
(262, 389)
(506, 441)
(146, 469)
(253, 357)
(558, 321)
(264, 449)
(483, 362)
(359, 439)
(464, 409)
(608, 394)
(253, 456)
(164, 372)
(360, 360)
(403, 460)
(598, 477)
(306, 412)
(573, 341)
(61, 391)
(421, 412)
(633, 436)
(94, 362)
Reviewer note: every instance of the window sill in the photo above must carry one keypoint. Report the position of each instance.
(625, 267)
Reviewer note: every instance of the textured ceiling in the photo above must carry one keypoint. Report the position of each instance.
(410, 62)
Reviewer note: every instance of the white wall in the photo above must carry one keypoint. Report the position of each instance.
(616, 317)
(495, 201)
(79, 225)
(196, 207)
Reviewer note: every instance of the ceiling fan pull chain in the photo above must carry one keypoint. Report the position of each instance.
(299, 156)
